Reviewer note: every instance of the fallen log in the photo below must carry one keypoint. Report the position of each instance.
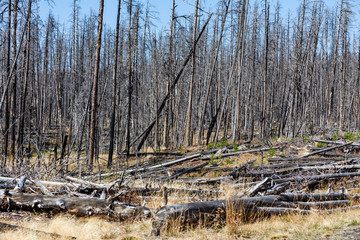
(299, 160)
(235, 173)
(188, 170)
(334, 142)
(337, 154)
(250, 207)
(318, 177)
(48, 183)
(195, 209)
(313, 197)
(152, 153)
(86, 183)
(325, 150)
(159, 166)
(332, 167)
(43, 189)
(269, 211)
(324, 204)
(208, 157)
(254, 189)
(78, 206)
(204, 180)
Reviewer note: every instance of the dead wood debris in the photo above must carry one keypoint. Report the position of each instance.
(284, 185)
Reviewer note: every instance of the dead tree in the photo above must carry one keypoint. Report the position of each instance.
(95, 87)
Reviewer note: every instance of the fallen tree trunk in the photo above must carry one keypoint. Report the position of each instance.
(269, 211)
(204, 180)
(324, 205)
(254, 189)
(300, 160)
(48, 183)
(194, 210)
(188, 170)
(325, 150)
(85, 183)
(208, 157)
(159, 166)
(74, 205)
(318, 177)
(235, 172)
(153, 153)
(334, 142)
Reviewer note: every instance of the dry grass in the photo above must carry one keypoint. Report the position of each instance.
(88, 228)
(314, 226)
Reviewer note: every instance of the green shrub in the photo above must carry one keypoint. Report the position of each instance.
(272, 151)
(235, 148)
(210, 146)
(229, 161)
(222, 143)
(180, 148)
(334, 137)
(349, 136)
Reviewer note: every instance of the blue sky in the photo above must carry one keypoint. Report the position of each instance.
(62, 9)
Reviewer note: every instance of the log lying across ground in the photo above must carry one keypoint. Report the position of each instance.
(207, 157)
(11, 200)
(158, 166)
(325, 150)
(48, 183)
(250, 206)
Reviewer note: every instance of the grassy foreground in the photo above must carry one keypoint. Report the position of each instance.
(314, 226)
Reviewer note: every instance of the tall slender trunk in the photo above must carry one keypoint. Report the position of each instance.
(14, 84)
(170, 74)
(236, 125)
(263, 117)
(193, 59)
(25, 86)
(95, 87)
(113, 104)
(7, 102)
(129, 62)
(211, 75)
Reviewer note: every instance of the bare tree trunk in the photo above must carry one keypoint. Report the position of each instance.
(14, 85)
(236, 125)
(7, 103)
(193, 59)
(129, 62)
(113, 104)
(334, 67)
(211, 75)
(170, 69)
(263, 118)
(95, 87)
(25, 86)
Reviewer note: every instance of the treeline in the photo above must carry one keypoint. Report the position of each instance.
(245, 70)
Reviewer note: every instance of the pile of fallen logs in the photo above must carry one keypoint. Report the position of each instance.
(319, 181)
(24, 197)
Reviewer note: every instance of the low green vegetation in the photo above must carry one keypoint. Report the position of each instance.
(271, 152)
(349, 136)
(335, 135)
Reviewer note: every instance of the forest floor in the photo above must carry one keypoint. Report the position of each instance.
(337, 225)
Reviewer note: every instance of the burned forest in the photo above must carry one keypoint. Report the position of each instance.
(223, 116)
